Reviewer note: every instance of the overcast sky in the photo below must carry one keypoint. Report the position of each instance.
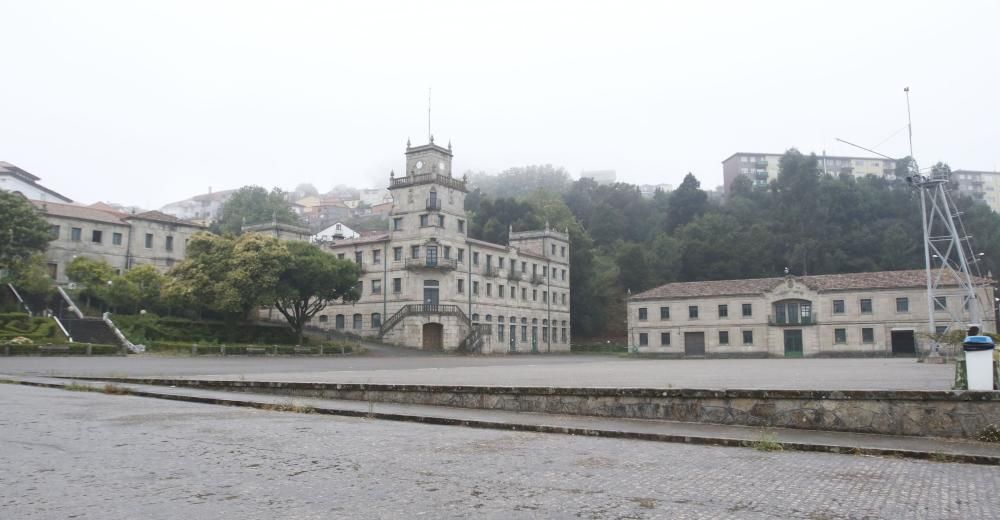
(150, 102)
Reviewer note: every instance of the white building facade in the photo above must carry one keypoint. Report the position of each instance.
(861, 314)
(426, 284)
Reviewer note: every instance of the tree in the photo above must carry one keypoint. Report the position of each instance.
(93, 275)
(231, 276)
(686, 202)
(255, 205)
(31, 278)
(309, 281)
(305, 189)
(23, 232)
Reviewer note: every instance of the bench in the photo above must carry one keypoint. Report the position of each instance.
(303, 350)
(53, 349)
(256, 351)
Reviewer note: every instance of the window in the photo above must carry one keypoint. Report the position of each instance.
(359, 257)
(563, 334)
(358, 322)
(643, 339)
(513, 293)
(867, 335)
(447, 251)
(53, 232)
(149, 240)
(866, 306)
(500, 329)
(397, 253)
(376, 320)
(96, 236)
(664, 313)
(840, 335)
(723, 311)
(665, 338)
(940, 303)
(563, 251)
(170, 243)
(377, 286)
(499, 291)
(545, 296)
(693, 312)
(423, 220)
(553, 250)
(838, 306)
(489, 289)
(461, 255)
(748, 337)
(116, 239)
(441, 221)
(642, 313)
(723, 337)
(500, 262)
(534, 269)
(397, 285)
(75, 234)
(461, 226)
(534, 295)
(475, 287)
(323, 318)
(793, 312)
(461, 285)
(489, 261)
(545, 270)
(747, 310)
(524, 294)
(414, 251)
(524, 267)
(339, 321)
(53, 270)
(902, 305)
(376, 256)
(475, 258)
(340, 256)
(397, 224)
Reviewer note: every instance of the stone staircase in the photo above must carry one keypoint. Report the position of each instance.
(471, 343)
(91, 330)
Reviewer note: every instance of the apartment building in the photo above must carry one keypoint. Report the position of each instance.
(426, 284)
(762, 168)
(877, 314)
(980, 185)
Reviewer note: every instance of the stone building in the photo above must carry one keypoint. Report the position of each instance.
(427, 284)
(17, 180)
(880, 313)
(122, 240)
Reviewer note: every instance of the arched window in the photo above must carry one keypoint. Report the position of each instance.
(376, 320)
(499, 319)
(524, 321)
(323, 318)
(489, 317)
(475, 317)
(340, 321)
(534, 321)
(545, 322)
(357, 321)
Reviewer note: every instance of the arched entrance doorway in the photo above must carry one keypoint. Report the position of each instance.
(433, 337)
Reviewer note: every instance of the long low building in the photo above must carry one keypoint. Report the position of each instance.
(879, 313)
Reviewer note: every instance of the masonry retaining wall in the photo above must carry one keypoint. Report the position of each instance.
(919, 413)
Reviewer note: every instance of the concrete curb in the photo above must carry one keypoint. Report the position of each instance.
(539, 428)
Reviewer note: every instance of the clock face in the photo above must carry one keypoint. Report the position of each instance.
(420, 165)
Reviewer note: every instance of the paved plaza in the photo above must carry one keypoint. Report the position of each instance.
(541, 370)
(86, 455)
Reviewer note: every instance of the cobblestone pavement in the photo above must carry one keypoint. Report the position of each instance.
(85, 455)
(552, 370)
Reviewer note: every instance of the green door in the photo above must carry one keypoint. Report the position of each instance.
(793, 343)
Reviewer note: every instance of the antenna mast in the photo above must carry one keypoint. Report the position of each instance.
(430, 136)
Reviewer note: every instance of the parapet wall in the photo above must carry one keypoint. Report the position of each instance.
(918, 413)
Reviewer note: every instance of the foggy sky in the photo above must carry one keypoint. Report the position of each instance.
(151, 102)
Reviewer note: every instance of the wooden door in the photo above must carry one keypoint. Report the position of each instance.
(694, 344)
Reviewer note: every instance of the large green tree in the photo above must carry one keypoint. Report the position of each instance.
(309, 281)
(255, 205)
(23, 231)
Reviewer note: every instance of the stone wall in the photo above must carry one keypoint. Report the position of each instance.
(919, 413)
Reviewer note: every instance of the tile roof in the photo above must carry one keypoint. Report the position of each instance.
(76, 211)
(915, 278)
(159, 216)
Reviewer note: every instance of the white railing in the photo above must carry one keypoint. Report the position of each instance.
(72, 305)
(19, 299)
(62, 328)
(132, 347)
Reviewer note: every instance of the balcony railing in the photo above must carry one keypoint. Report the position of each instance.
(514, 276)
(428, 263)
(786, 321)
(537, 279)
(491, 271)
(760, 164)
(427, 178)
(433, 204)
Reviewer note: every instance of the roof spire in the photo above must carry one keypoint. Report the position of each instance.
(407, 143)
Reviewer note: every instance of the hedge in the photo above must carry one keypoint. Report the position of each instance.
(149, 328)
(75, 349)
(37, 329)
(211, 349)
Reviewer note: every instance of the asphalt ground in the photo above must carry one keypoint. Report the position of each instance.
(520, 370)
